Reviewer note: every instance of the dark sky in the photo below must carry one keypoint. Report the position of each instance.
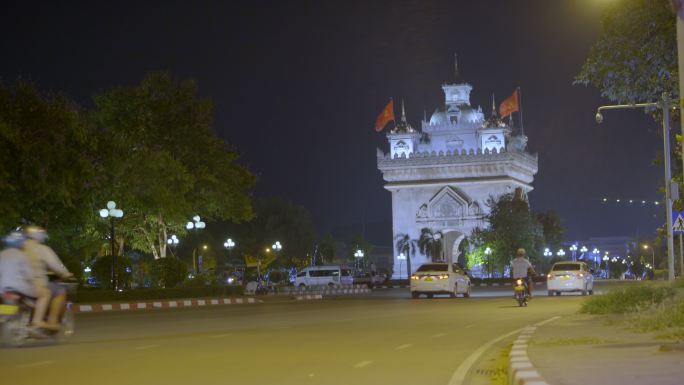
(297, 86)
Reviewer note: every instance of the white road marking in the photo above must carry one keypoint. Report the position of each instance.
(34, 364)
(438, 335)
(459, 375)
(220, 335)
(363, 364)
(402, 347)
(469, 326)
(311, 374)
(146, 347)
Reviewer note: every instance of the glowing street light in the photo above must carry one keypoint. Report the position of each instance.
(112, 212)
(401, 257)
(560, 253)
(277, 246)
(652, 253)
(573, 248)
(488, 253)
(547, 252)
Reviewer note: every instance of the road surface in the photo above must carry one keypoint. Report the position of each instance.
(380, 338)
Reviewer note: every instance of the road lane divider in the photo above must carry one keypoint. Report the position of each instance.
(521, 371)
(459, 375)
(157, 304)
(363, 364)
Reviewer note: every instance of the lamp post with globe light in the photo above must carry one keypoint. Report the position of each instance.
(573, 248)
(488, 253)
(596, 252)
(173, 242)
(605, 260)
(358, 255)
(402, 257)
(583, 250)
(560, 253)
(196, 223)
(112, 212)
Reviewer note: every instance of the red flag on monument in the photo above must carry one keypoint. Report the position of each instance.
(385, 116)
(509, 105)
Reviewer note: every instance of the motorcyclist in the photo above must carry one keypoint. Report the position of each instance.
(522, 269)
(15, 271)
(42, 258)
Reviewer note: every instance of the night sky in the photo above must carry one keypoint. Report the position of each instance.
(297, 86)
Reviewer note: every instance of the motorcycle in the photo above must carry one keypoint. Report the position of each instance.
(521, 292)
(16, 311)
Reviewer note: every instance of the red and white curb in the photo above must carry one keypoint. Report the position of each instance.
(168, 304)
(521, 371)
(309, 297)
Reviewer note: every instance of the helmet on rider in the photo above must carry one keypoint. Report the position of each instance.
(36, 232)
(521, 253)
(15, 239)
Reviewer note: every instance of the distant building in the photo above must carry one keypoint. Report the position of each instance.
(441, 176)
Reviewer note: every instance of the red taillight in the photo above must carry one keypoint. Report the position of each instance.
(550, 276)
(8, 296)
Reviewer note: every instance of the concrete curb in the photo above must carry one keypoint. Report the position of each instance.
(161, 304)
(308, 297)
(521, 371)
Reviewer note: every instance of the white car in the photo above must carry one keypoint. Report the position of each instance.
(570, 276)
(440, 278)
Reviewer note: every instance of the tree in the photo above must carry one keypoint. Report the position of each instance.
(162, 162)
(404, 244)
(430, 244)
(551, 228)
(511, 226)
(326, 248)
(635, 57)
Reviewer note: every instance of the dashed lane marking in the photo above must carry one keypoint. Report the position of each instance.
(469, 326)
(438, 335)
(402, 347)
(220, 335)
(34, 364)
(143, 347)
(363, 364)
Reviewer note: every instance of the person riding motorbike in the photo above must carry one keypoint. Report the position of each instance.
(15, 271)
(522, 269)
(42, 258)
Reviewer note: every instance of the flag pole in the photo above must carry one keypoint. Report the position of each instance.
(394, 119)
(522, 128)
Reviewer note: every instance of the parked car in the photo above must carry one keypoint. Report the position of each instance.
(570, 276)
(369, 279)
(440, 278)
(331, 275)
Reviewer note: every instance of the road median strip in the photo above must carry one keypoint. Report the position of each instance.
(521, 371)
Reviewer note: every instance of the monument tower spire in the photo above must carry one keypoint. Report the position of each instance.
(457, 75)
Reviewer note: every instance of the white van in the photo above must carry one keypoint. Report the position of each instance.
(331, 275)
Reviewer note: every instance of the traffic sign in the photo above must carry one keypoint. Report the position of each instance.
(678, 222)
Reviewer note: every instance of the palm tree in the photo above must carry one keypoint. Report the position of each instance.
(406, 245)
(430, 243)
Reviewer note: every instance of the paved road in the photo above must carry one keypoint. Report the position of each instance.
(381, 338)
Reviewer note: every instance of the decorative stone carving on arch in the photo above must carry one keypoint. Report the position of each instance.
(475, 209)
(449, 202)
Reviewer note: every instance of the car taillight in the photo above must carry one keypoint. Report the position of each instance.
(550, 276)
(519, 282)
(9, 296)
(444, 276)
(414, 277)
(581, 275)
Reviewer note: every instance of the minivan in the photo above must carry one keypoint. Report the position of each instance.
(331, 275)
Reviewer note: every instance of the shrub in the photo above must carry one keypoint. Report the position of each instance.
(102, 271)
(626, 299)
(669, 314)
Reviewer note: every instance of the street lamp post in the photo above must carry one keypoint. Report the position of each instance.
(561, 253)
(583, 250)
(605, 260)
(488, 253)
(229, 244)
(596, 252)
(196, 223)
(573, 248)
(112, 212)
(358, 254)
(402, 257)
(646, 247)
(664, 105)
(173, 242)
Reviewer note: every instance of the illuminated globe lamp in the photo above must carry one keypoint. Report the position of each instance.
(112, 212)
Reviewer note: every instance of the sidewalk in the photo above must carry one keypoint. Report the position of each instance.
(583, 349)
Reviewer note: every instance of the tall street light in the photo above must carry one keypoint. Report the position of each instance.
(652, 254)
(401, 257)
(583, 250)
(560, 253)
(573, 248)
(488, 253)
(229, 244)
(605, 260)
(173, 242)
(358, 255)
(112, 212)
(597, 260)
(196, 223)
(665, 104)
